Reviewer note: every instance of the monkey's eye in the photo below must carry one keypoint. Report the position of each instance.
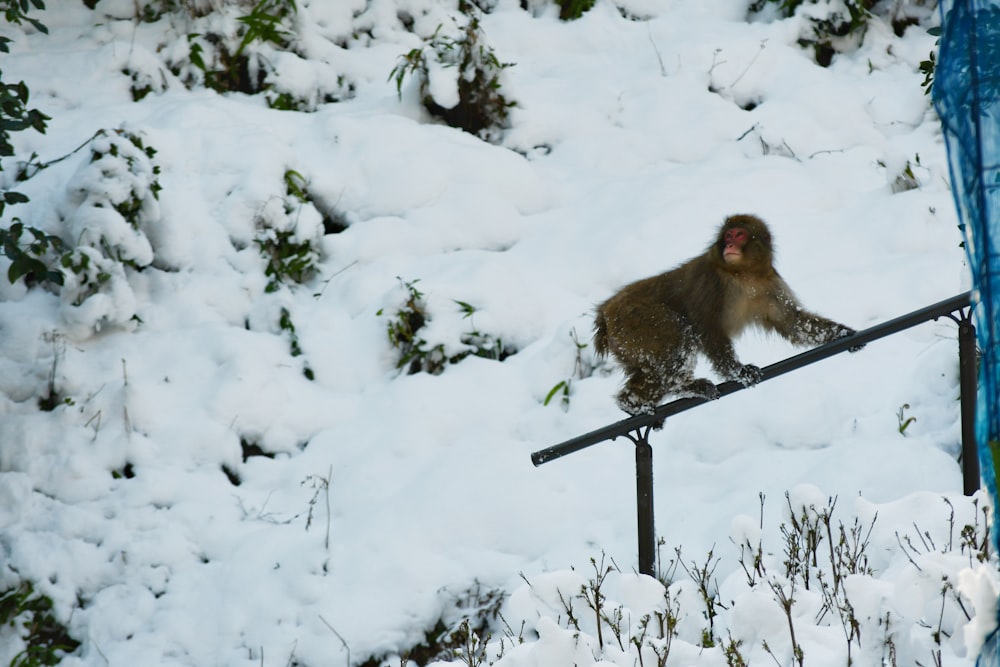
(737, 236)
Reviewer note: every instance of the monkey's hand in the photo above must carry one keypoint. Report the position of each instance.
(749, 375)
(845, 332)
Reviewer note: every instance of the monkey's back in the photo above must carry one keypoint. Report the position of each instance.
(650, 314)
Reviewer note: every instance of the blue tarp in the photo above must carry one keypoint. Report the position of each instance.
(966, 94)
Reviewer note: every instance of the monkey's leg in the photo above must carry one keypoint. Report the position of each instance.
(680, 380)
(642, 392)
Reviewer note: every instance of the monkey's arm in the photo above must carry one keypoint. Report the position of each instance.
(801, 327)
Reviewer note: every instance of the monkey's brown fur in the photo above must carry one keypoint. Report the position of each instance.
(657, 326)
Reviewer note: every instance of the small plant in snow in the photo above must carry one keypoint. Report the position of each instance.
(32, 255)
(595, 599)
(220, 61)
(459, 79)
(834, 25)
(264, 23)
(295, 349)
(561, 389)
(288, 235)
(975, 536)
(416, 354)
(703, 577)
(927, 67)
(480, 344)
(795, 593)
(463, 634)
(731, 651)
(320, 486)
(403, 332)
(15, 116)
(46, 641)
(904, 421)
(582, 368)
(570, 10)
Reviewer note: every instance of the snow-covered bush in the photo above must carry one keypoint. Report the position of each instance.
(838, 26)
(833, 25)
(111, 204)
(458, 76)
(255, 49)
(114, 198)
(405, 331)
(288, 233)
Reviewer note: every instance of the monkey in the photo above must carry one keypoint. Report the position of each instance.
(657, 326)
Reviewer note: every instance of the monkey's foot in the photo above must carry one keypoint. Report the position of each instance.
(700, 388)
(750, 375)
(635, 406)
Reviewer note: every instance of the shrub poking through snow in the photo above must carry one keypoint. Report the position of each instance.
(484, 345)
(570, 10)
(256, 52)
(27, 255)
(31, 255)
(115, 198)
(815, 586)
(583, 367)
(403, 332)
(288, 235)
(15, 115)
(839, 26)
(463, 632)
(286, 324)
(459, 79)
(222, 61)
(835, 26)
(45, 641)
(416, 354)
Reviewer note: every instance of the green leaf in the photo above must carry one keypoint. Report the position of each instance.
(466, 308)
(14, 198)
(552, 392)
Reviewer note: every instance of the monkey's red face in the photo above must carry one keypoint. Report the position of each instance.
(733, 241)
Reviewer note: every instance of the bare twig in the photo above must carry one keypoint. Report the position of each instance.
(342, 640)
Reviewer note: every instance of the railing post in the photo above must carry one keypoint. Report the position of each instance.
(644, 501)
(968, 379)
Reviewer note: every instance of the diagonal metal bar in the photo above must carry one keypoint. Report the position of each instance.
(625, 426)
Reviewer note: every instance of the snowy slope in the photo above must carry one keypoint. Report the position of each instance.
(637, 129)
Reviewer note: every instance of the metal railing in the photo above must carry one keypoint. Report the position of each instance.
(637, 428)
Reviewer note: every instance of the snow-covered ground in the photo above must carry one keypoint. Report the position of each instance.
(138, 506)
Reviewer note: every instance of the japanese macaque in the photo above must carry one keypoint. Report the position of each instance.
(656, 327)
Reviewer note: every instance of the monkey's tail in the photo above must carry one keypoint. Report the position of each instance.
(600, 334)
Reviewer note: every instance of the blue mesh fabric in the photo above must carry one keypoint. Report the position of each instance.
(966, 95)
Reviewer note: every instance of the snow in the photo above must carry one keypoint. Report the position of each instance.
(385, 496)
